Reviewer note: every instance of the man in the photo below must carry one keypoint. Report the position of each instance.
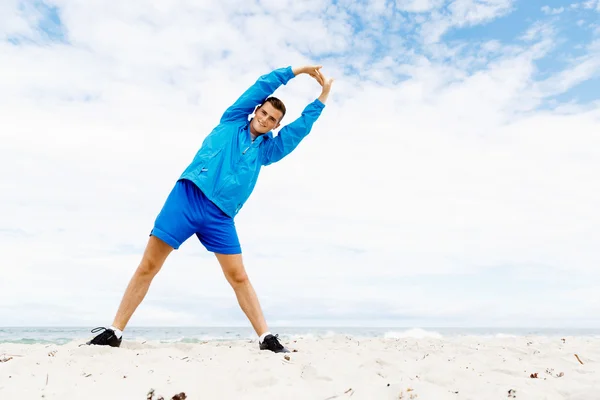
(212, 190)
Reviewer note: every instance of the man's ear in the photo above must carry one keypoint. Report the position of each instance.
(279, 123)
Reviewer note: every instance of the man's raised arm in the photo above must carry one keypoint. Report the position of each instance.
(257, 93)
(263, 88)
(291, 135)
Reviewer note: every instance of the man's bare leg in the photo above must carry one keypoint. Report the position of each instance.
(153, 259)
(233, 268)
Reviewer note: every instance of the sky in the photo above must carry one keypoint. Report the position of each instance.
(452, 179)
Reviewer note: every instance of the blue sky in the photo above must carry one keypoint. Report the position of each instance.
(44, 21)
(450, 181)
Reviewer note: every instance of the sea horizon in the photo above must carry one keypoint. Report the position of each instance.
(61, 335)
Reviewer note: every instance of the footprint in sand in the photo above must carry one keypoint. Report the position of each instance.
(310, 373)
(265, 382)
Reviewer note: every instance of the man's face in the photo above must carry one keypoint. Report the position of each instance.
(266, 118)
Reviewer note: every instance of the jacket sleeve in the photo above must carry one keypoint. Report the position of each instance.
(257, 93)
(290, 135)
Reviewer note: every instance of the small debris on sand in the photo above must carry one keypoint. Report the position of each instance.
(5, 359)
(179, 396)
(534, 375)
(550, 371)
(578, 359)
(512, 393)
(409, 395)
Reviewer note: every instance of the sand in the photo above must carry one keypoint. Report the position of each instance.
(337, 367)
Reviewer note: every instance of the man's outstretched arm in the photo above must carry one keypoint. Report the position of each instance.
(291, 135)
(263, 88)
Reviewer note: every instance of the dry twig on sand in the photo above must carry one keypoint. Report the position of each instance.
(338, 395)
(580, 362)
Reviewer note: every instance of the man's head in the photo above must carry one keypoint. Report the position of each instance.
(268, 115)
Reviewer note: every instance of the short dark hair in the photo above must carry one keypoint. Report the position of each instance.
(276, 103)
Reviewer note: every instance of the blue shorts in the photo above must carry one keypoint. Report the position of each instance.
(188, 211)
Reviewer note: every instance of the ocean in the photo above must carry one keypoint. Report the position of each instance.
(63, 335)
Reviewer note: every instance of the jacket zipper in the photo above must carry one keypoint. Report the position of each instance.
(220, 188)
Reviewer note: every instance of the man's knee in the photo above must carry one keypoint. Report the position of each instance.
(154, 257)
(238, 276)
(233, 268)
(148, 267)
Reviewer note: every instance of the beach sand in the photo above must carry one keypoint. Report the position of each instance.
(337, 367)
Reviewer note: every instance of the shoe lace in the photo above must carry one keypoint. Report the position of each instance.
(273, 341)
(107, 333)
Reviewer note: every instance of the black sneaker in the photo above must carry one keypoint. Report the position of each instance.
(272, 343)
(106, 338)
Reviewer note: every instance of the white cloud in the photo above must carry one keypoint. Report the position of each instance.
(418, 6)
(432, 163)
(591, 5)
(581, 70)
(552, 11)
(461, 13)
(540, 30)
(467, 12)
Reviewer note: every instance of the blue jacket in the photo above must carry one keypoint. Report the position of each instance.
(228, 163)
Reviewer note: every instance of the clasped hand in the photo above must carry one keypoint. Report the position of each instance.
(315, 72)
